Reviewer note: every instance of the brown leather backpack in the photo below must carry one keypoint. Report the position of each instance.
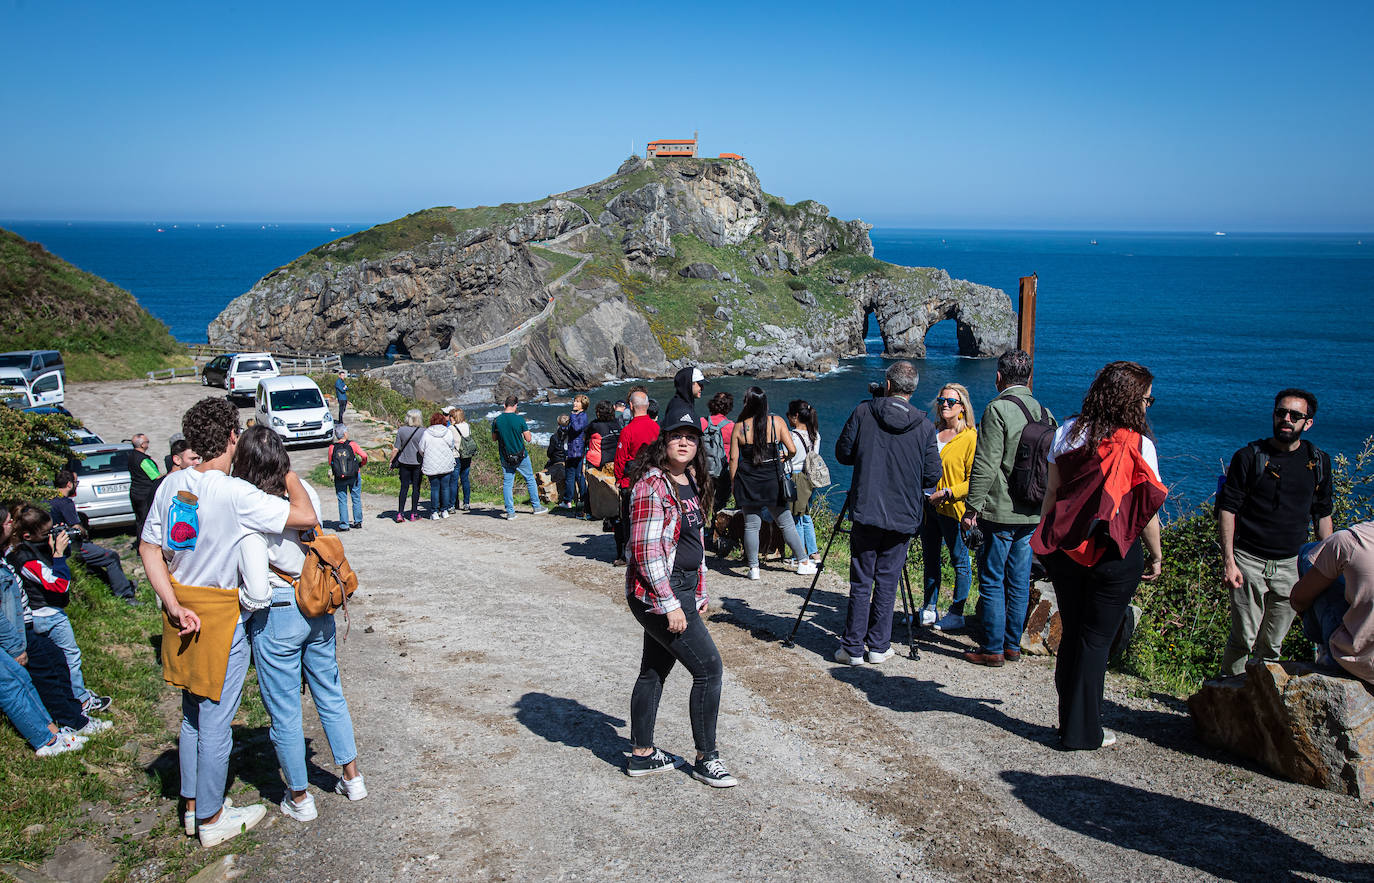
(326, 579)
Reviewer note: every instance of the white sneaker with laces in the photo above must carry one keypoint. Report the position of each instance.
(353, 789)
(188, 818)
(435, 516)
(65, 740)
(806, 568)
(94, 725)
(1108, 738)
(873, 658)
(753, 573)
(845, 659)
(928, 616)
(305, 811)
(233, 821)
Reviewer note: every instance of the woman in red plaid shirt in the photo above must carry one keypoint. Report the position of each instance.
(665, 586)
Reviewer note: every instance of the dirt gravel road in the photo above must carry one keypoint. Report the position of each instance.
(489, 667)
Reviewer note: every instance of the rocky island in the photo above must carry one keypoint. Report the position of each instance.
(668, 261)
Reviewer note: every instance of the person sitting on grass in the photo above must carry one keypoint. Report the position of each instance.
(103, 561)
(19, 696)
(40, 557)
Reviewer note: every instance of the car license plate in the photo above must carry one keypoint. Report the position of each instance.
(113, 488)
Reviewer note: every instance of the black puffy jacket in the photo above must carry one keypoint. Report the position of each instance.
(891, 445)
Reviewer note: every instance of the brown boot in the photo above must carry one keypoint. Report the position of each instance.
(992, 660)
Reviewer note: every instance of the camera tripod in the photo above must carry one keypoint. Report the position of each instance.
(904, 586)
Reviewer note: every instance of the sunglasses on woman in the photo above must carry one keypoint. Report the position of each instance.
(948, 403)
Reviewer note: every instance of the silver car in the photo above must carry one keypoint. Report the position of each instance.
(102, 489)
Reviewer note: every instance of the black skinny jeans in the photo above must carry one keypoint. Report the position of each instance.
(697, 653)
(1092, 602)
(410, 479)
(52, 680)
(622, 526)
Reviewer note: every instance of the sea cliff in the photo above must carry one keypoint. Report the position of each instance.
(663, 263)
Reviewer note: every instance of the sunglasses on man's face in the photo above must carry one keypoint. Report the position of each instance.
(948, 403)
(1295, 416)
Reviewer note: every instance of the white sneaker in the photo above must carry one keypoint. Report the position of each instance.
(435, 516)
(353, 789)
(233, 821)
(753, 573)
(64, 741)
(94, 725)
(304, 811)
(928, 616)
(1108, 738)
(845, 659)
(540, 512)
(806, 568)
(188, 818)
(878, 658)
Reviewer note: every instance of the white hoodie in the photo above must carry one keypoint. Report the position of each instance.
(437, 450)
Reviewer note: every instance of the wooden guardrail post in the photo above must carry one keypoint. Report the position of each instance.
(1025, 313)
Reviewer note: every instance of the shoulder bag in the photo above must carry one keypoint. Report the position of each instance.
(787, 485)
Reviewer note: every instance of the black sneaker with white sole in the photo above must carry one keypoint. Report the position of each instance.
(711, 771)
(659, 761)
(95, 703)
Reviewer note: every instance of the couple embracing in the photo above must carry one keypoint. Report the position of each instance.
(219, 546)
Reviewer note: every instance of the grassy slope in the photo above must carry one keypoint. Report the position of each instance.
(100, 328)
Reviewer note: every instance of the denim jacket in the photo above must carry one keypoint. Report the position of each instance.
(12, 636)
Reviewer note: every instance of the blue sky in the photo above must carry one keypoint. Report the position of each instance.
(1166, 116)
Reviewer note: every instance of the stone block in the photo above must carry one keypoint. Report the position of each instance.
(1043, 628)
(1298, 722)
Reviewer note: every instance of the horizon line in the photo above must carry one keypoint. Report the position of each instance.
(363, 225)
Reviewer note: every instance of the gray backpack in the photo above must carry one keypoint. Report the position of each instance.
(713, 443)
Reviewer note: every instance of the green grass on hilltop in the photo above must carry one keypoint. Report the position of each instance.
(559, 263)
(100, 328)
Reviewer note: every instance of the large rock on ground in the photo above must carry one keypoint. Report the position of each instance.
(1300, 723)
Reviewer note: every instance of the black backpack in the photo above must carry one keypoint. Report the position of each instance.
(344, 462)
(1030, 471)
(1316, 464)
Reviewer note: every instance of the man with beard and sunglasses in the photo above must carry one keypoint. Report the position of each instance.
(1274, 489)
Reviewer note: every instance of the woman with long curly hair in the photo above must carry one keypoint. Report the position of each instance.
(1102, 500)
(665, 586)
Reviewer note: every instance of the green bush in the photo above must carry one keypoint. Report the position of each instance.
(796, 284)
(32, 448)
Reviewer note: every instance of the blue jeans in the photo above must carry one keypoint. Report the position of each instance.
(284, 643)
(464, 471)
(451, 489)
(343, 490)
(1004, 564)
(940, 530)
(207, 734)
(876, 559)
(59, 628)
(508, 485)
(439, 499)
(807, 529)
(20, 702)
(574, 482)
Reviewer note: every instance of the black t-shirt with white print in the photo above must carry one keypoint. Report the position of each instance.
(689, 549)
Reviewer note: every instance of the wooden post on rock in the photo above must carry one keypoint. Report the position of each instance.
(1025, 311)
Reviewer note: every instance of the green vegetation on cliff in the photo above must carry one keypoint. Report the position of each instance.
(100, 328)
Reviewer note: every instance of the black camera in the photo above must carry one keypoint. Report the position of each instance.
(73, 533)
(877, 390)
(973, 537)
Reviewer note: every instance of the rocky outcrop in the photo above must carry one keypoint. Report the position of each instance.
(1300, 723)
(761, 288)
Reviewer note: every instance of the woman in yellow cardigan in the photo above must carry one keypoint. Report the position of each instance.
(940, 526)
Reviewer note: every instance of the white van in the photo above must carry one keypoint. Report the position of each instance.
(294, 408)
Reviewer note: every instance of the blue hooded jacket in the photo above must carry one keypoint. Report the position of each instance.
(891, 445)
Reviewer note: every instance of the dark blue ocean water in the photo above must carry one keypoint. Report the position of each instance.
(1222, 321)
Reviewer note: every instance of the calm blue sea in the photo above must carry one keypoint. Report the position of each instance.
(1222, 321)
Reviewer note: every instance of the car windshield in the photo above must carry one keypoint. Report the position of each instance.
(11, 380)
(296, 399)
(101, 462)
(255, 365)
(19, 360)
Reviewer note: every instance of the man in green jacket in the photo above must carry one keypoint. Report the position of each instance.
(1004, 558)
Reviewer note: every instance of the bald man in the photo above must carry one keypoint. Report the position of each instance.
(143, 476)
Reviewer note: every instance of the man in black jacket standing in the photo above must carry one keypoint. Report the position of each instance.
(891, 446)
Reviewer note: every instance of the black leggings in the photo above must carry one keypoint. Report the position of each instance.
(410, 479)
(52, 679)
(697, 653)
(1092, 602)
(622, 525)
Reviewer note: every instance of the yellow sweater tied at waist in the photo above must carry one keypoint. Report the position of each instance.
(196, 662)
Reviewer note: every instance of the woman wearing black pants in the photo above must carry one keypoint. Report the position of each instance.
(665, 586)
(405, 456)
(1102, 500)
